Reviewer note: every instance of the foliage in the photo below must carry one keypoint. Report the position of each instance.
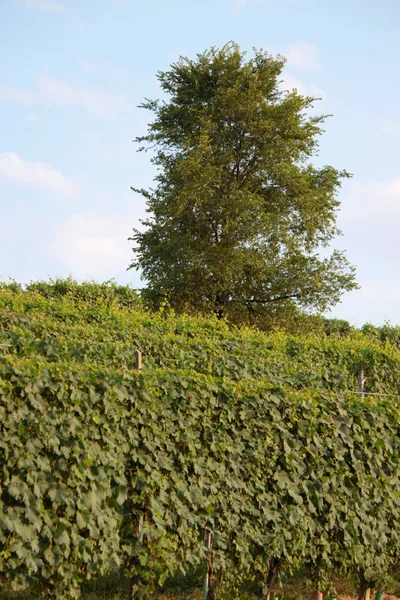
(337, 327)
(60, 478)
(239, 212)
(386, 333)
(87, 291)
(259, 439)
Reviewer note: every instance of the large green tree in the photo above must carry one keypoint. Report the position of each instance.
(239, 214)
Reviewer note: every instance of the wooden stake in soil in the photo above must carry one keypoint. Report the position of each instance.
(208, 575)
(138, 360)
(361, 388)
(273, 571)
(364, 591)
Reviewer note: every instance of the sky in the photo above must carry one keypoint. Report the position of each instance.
(73, 73)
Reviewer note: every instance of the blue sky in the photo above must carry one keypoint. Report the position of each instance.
(72, 73)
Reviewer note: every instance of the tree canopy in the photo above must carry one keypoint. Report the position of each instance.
(239, 214)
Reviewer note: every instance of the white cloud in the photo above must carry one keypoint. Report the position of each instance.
(376, 302)
(20, 96)
(96, 101)
(370, 219)
(16, 169)
(240, 4)
(109, 150)
(375, 200)
(94, 246)
(39, 4)
(4, 227)
(317, 92)
(289, 83)
(303, 55)
(50, 90)
(388, 126)
(92, 67)
(105, 68)
(377, 291)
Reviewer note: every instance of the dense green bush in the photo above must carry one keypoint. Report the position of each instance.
(258, 439)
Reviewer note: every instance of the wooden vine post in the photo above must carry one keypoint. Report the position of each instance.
(138, 360)
(364, 592)
(134, 582)
(273, 571)
(361, 381)
(208, 586)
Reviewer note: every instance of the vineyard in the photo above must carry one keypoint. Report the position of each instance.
(240, 454)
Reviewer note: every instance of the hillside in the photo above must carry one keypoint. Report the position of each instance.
(251, 453)
(102, 326)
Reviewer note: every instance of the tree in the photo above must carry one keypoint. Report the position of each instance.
(239, 213)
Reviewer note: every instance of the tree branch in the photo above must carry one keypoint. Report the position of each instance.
(268, 300)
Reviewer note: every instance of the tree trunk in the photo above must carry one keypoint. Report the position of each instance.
(271, 577)
(363, 591)
(133, 585)
(219, 306)
(130, 588)
(211, 595)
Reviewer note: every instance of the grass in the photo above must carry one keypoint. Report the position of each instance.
(189, 587)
